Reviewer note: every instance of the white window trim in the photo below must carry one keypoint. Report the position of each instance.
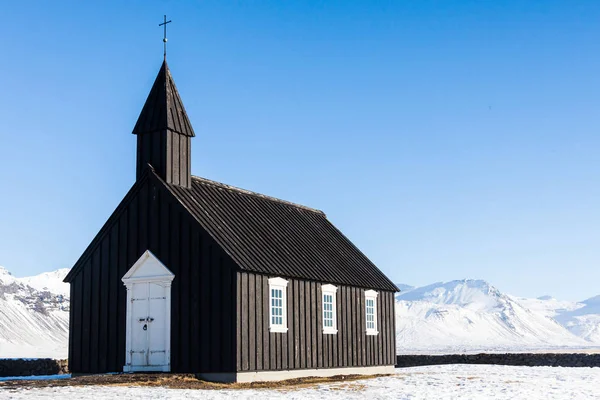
(371, 295)
(278, 283)
(331, 290)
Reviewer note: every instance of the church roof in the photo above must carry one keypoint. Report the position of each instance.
(163, 108)
(266, 235)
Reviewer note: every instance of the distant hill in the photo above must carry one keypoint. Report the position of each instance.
(472, 315)
(404, 288)
(583, 321)
(34, 315)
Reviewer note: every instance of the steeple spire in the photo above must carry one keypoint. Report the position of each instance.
(164, 108)
(164, 131)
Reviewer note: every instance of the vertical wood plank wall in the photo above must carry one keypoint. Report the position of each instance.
(203, 304)
(304, 346)
(168, 152)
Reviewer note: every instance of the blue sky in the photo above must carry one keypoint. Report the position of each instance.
(447, 139)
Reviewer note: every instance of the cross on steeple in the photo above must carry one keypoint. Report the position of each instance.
(164, 24)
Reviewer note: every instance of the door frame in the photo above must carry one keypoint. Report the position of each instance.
(158, 274)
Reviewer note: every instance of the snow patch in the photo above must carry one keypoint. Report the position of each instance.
(49, 281)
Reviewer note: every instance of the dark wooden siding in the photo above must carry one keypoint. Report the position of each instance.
(178, 168)
(169, 154)
(304, 345)
(203, 291)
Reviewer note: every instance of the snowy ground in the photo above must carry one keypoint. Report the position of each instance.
(433, 382)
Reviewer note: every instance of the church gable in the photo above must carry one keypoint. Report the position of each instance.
(148, 268)
(149, 219)
(116, 223)
(152, 235)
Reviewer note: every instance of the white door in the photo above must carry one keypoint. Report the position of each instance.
(148, 330)
(148, 339)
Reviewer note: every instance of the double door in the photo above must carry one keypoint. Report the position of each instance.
(148, 327)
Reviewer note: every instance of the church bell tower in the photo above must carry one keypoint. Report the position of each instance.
(163, 133)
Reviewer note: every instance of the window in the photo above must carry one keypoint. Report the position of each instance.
(278, 305)
(329, 309)
(371, 312)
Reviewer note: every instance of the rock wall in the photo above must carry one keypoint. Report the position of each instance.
(47, 366)
(525, 359)
(28, 367)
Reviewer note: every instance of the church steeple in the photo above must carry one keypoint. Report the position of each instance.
(164, 131)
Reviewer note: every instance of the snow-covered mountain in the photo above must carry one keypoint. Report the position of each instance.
(581, 318)
(404, 288)
(34, 315)
(547, 305)
(583, 321)
(472, 315)
(50, 281)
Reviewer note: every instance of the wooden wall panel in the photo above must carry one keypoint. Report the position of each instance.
(294, 302)
(304, 346)
(184, 251)
(244, 333)
(319, 326)
(104, 300)
(229, 310)
(94, 312)
(174, 174)
(302, 321)
(251, 321)
(205, 268)
(86, 319)
(169, 154)
(311, 322)
(258, 322)
(238, 327)
(346, 326)
(113, 290)
(122, 267)
(195, 300)
(266, 339)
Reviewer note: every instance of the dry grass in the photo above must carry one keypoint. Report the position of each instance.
(180, 381)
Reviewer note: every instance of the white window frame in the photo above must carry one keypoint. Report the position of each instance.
(329, 290)
(371, 295)
(280, 284)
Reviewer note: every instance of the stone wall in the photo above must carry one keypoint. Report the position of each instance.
(28, 367)
(526, 359)
(46, 366)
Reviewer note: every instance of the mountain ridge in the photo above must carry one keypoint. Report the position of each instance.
(33, 321)
(471, 314)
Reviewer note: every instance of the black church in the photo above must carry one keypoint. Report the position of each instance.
(192, 275)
